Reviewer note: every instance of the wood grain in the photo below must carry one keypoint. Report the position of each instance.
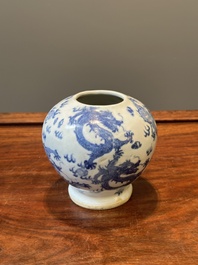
(160, 116)
(40, 225)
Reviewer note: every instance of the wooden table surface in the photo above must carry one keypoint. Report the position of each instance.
(39, 224)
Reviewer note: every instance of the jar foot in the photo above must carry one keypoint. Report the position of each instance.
(103, 200)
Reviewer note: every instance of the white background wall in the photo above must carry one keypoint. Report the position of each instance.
(50, 49)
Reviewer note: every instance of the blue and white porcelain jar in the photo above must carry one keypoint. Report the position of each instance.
(99, 141)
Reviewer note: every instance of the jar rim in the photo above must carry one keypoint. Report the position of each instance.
(116, 98)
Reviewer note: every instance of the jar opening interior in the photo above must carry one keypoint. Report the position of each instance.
(99, 99)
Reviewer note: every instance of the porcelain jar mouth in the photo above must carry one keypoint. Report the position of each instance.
(100, 98)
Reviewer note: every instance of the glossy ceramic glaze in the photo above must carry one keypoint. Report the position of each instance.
(99, 141)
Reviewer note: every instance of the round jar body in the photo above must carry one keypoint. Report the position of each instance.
(100, 141)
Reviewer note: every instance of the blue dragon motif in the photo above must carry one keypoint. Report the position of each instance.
(123, 173)
(51, 152)
(65, 102)
(103, 124)
(147, 117)
(52, 114)
(53, 155)
(116, 170)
